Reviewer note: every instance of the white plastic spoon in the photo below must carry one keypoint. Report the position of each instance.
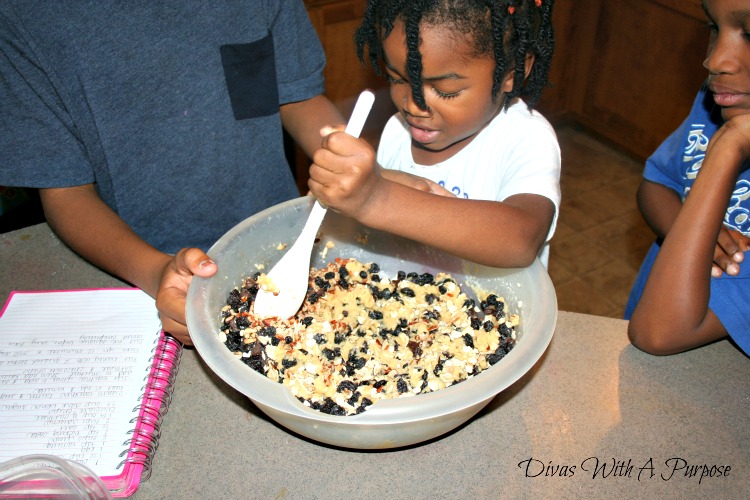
(290, 275)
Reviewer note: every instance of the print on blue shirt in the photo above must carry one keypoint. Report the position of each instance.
(737, 216)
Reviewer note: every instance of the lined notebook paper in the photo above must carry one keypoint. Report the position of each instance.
(85, 375)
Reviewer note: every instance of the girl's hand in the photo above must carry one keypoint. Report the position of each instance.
(734, 134)
(730, 252)
(344, 175)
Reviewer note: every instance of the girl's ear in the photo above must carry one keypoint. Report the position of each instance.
(528, 64)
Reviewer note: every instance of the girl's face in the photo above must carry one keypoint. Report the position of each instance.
(728, 60)
(457, 89)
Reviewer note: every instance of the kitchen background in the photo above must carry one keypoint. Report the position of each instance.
(624, 76)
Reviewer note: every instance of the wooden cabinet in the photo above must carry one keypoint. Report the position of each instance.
(627, 70)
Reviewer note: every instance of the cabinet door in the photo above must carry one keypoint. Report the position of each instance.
(646, 68)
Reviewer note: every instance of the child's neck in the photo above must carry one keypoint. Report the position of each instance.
(427, 157)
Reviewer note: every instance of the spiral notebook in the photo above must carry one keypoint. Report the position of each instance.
(86, 375)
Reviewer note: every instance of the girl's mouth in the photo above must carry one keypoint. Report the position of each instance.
(726, 100)
(423, 136)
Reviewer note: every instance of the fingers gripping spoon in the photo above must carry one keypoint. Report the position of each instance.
(290, 275)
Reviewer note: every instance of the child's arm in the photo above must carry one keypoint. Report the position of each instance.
(414, 181)
(660, 206)
(84, 222)
(673, 313)
(303, 120)
(346, 178)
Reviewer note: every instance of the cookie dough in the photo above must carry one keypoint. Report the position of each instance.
(360, 337)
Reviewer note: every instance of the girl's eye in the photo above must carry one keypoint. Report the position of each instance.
(394, 80)
(712, 27)
(446, 95)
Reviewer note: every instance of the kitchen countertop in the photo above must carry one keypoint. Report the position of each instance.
(595, 417)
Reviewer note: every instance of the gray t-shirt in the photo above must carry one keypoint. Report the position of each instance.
(171, 108)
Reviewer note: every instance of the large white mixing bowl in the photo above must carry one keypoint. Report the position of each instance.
(388, 423)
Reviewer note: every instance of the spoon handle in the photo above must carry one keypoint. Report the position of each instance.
(359, 114)
(314, 220)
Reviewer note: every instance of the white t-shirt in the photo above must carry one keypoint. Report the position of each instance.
(517, 152)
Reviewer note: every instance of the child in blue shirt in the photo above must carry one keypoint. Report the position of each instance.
(693, 287)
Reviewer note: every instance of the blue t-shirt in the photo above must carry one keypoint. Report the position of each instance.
(170, 108)
(675, 164)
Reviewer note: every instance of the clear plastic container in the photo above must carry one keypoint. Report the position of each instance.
(47, 476)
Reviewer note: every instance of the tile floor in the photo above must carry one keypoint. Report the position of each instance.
(601, 237)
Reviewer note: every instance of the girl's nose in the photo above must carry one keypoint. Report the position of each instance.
(722, 55)
(409, 105)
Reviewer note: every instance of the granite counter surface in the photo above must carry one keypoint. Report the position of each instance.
(595, 417)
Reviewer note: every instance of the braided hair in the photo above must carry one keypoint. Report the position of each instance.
(508, 30)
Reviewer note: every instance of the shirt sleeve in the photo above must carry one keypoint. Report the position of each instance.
(684, 148)
(662, 166)
(534, 164)
(299, 54)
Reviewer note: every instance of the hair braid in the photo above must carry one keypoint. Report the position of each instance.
(413, 56)
(521, 43)
(499, 21)
(544, 46)
(508, 30)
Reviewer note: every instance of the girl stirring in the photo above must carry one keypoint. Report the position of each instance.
(466, 165)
